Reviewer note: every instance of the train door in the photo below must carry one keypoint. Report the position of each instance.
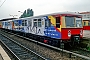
(53, 27)
(23, 26)
(32, 26)
(8, 24)
(42, 28)
(58, 27)
(38, 26)
(47, 27)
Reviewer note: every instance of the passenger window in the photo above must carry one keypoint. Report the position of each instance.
(25, 22)
(88, 23)
(57, 22)
(22, 22)
(8, 23)
(46, 23)
(16, 23)
(39, 23)
(30, 23)
(35, 23)
(49, 23)
(84, 23)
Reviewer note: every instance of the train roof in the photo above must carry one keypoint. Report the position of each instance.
(71, 13)
(5, 19)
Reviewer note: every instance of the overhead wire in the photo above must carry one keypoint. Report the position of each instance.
(2, 3)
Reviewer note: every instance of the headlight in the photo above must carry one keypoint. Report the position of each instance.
(81, 32)
(69, 33)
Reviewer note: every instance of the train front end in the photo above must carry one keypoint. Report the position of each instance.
(72, 29)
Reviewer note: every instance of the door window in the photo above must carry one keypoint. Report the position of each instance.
(57, 22)
(39, 23)
(35, 23)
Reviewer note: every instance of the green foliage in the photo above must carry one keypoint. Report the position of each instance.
(88, 48)
(27, 13)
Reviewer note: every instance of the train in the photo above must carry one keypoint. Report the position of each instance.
(56, 29)
(86, 24)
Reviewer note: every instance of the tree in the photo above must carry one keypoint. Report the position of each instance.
(27, 13)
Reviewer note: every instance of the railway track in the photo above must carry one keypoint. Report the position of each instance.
(20, 51)
(50, 53)
(81, 51)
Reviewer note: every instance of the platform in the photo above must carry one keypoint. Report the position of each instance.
(86, 33)
(3, 54)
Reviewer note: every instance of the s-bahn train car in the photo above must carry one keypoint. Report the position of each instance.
(86, 24)
(0, 24)
(53, 29)
(7, 24)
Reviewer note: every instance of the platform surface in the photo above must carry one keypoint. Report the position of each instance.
(3, 54)
(86, 33)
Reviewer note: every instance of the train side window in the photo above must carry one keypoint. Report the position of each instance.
(84, 23)
(8, 23)
(39, 23)
(22, 22)
(25, 22)
(49, 23)
(57, 22)
(46, 23)
(30, 23)
(89, 23)
(16, 23)
(5, 23)
(35, 23)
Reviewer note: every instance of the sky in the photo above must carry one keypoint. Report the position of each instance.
(40, 7)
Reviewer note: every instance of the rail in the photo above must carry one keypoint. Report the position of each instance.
(70, 53)
(23, 47)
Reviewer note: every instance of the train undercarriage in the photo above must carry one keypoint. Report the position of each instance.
(74, 41)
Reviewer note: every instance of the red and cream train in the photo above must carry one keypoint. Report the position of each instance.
(53, 29)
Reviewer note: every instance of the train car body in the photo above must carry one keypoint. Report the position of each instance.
(7, 24)
(0, 24)
(51, 28)
(86, 24)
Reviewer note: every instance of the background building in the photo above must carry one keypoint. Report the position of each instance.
(86, 20)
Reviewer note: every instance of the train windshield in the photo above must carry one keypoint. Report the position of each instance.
(73, 21)
(70, 21)
(78, 22)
